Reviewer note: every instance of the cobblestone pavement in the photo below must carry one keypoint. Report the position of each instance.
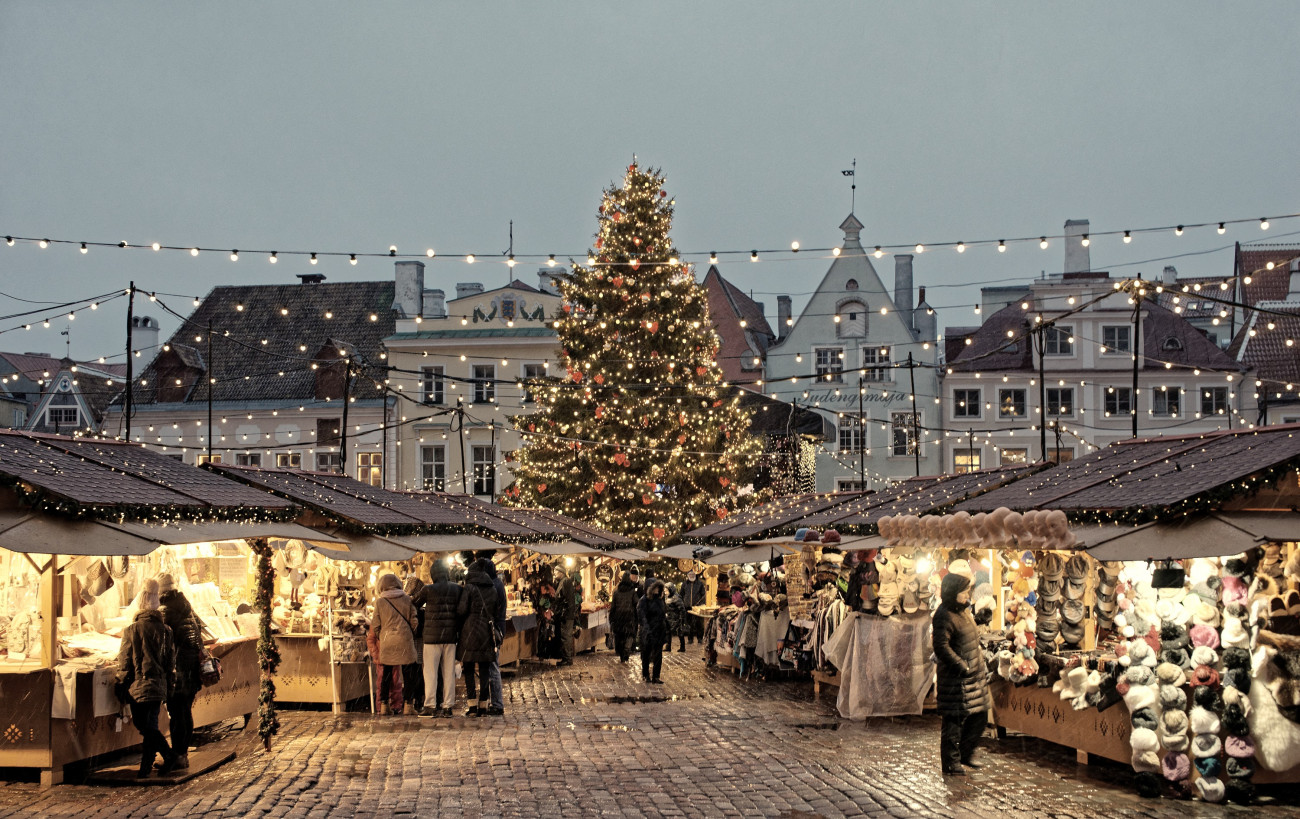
(592, 740)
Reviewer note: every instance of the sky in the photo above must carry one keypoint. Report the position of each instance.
(346, 127)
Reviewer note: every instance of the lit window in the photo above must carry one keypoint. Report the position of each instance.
(370, 468)
(433, 467)
(1011, 403)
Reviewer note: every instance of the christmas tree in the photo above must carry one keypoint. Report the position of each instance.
(640, 435)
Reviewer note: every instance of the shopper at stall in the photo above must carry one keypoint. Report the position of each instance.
(499, 620)
(187, 636)
(413, 673)
(623, 616)
(654, 630)
(963, 691)
(393, 627)
(477, 645)
(676, 613)
(692, 593)
(568, 604)
(145, 668)
(440, 601)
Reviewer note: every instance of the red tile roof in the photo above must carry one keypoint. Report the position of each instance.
(1265, 285)
(728, 306)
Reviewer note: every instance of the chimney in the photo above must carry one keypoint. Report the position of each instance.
(1293, 293)
(782, 317)
(927, 323)
(435, 304)
(546, 281)
(903, 286)
(311, 278)
(1077, 258)
(408, 293)
(464, 289)
(144, 334)
(1169, 277)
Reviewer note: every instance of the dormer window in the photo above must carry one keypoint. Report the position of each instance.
(1171, 343)
(851, 319)
(851, 284)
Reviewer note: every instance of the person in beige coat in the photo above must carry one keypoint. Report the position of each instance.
(393, 628)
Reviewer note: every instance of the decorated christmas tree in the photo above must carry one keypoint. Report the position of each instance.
(638, 434)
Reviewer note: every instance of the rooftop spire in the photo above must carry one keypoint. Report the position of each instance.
(851, 227)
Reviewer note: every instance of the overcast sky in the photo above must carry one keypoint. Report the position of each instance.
(351, 126)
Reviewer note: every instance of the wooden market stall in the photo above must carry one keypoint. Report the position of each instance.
(82, 523)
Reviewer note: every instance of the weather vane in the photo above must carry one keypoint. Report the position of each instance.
(853, 185)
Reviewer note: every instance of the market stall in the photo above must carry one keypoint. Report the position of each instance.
(82, 524)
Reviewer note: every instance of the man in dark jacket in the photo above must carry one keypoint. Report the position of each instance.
(623, 616)
(654, 630)
(963, 690)
(187, 635)
(692, 594)
(568, 604)
(146, 664)
(499, 620)
(440, 601)
(476, 647)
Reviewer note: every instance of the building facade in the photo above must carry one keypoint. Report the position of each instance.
(868, 362)
(1268, 339)
(58, 395)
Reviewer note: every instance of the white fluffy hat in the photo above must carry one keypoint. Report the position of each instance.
(1204, 721)
(1234, 634)
(1140, 696)
(1144, 739)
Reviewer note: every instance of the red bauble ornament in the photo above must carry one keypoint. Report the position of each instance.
(663, 194)
(635, 263)
(618, 216)
(600, 242)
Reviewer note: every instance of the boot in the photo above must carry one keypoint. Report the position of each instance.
(408, 710)
(383, 709)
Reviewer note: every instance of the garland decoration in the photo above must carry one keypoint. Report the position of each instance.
(268, 654)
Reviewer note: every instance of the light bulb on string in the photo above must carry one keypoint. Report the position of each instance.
(1178, 231)
(1085, 241)
(1263, 225)
(879, 252)
(1042, 242)
(234, 255)
(1222, 228)
(1127, 237)
(84, 249)
(352, 258)
(961, 247)
(194, 251)
(1002, 245)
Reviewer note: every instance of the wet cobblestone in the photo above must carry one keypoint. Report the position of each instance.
(592, 740)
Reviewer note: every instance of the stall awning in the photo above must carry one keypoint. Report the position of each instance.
(628, 554)
(1214, 535)
(752, 554)
(680, 551)
(44, 534)
(444, 544)
(847, 543)
(557, 549)
(367, 549)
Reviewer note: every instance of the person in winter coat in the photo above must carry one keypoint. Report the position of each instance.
(568, 604)
(477, 646)
(654, 630)
(187, 635)
(146, 664)
(413, 673)
(440, 601)
(963, 690)
(393, 627)
(676, 613)
(692, 593)
(498, 620)
(623, 616)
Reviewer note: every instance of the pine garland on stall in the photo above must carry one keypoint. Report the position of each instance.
(268, 654)
(638, 433)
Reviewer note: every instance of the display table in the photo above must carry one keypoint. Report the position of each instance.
(304, 673)
(520, 642)
(592, 628)
(31, 738)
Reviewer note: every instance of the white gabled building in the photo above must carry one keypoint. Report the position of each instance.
(847, 356)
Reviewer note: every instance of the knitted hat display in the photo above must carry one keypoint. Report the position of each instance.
(1140, 696)
(1170, 674)
(1204, 745)
(1237, 768)
(1173, 635)
(1240, 791)
(1241, 747)
(1207, 614)
(1146, 756)
(1204, 675)
(1172, 698)
(1203, 721)
(1178, 657)
(1204, 655)
(1175, 766)
(1141, 653)
(1235, 724)
(1208, 697)
(1207, 766)
(1234, 590)
(1145, 718)
(1140, 675)
(1209, 789)
(1238, 678)
(1204, 636)
(1236, 566)
(1234, 634)
(1236, 658)
(1173, 730)
(1235, 702)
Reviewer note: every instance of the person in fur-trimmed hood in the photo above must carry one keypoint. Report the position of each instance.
(963, 690)
(653, 614)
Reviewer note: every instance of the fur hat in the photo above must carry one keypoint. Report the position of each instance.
(1148, 784)
(1203, 721)
(1175, 766)
(1141, 653)
(1146, 761)
(962, 568)
(1173, 636)
(1237, 768)
(1235, 725)
(1204, 745)
(1205, 675)
(1206, 614)
(1238, 678)
(1140, 696)
(1170, 674)
(1139, 675)
(1207, 697)
(1172, 723)
(1236, 566)
(1204, 636)
(1172, 698)
(1232, 698)
(1239, 791)
(1239, 747)
(1204, 655)
(1234, 590)
(1145, 718)
(1209, 789)
(1176, 657)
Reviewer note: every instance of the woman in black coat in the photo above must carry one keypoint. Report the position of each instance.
(477, 646)
(187, 634)
(653, 615)
(963, 689)
(623, 616)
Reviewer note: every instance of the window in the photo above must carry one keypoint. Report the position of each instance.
(327, 431)
(903, 433)
(1171, 343)
(327, 462)
(965, 403)
(1214, 400)
(850, 433)
(485, 387)
(845, 485)
(1060, 400)
(485, 470)
(431, 385)
(1117, 338)
(1061, 454)
(1058, 341)
(20, 417)
(370, 468)
(62, 416)
(532, 372)
(248, 459)
(288, 460)
(851, 284)
(1167, 401)
(875, 360)
(830, 361)
(205, 458)
(965, 460)
(1015, 456)
(851, 320)
(1011, 403)
(1118, 401)
(433, 467)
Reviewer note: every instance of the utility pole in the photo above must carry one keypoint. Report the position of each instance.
(130, 376)
(343, 427)
(1137, 341)
(460, 433)
(971, 463)
(1038, 339)
(211, 383)
(916, 418)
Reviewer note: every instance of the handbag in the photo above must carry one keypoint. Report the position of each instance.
(209, 669)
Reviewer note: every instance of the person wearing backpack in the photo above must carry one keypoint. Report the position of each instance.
(569, 604)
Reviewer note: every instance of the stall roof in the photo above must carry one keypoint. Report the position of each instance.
(488, 516)
(116, 476)
(750, 554)
(556, 549)
(1149, 474)
(780, 512)
(336, 500)
(584, 532)
(34, 532)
